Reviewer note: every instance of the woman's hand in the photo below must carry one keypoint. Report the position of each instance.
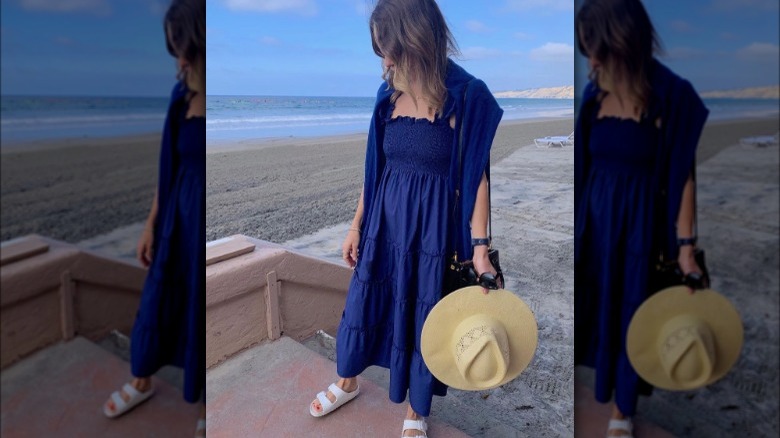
(688, 264)
(482, 264)
(143, 251)
(349, 249)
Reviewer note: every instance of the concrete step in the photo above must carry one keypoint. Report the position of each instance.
(266, 391)
(60, 391)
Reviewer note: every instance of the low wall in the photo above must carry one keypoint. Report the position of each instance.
(256, 291)
(52, 291)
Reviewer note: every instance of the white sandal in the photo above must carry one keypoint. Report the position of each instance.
(121, 406)
(625, 425)
(201, 428)
(415, 425)
(328, 406)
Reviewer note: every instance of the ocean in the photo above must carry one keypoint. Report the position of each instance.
(231, 118)
(27, 118)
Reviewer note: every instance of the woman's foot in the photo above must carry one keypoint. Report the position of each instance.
(620, 425)
(411, 415)
(141, 384)
(201, 429)
(347, 385)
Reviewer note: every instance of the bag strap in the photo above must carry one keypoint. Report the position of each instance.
(460, 174)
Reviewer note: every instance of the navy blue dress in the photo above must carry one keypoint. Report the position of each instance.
(170, 325)
(617, 210)
(400, 268)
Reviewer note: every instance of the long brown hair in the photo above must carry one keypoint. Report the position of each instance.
(414, 34)
(186, 23)
(620, 36)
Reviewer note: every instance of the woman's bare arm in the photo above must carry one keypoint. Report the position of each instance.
(358, 219)
(479, 223)
(152, 218)
(685, 217)
(479, 217)
(685, 230)
(349, 249)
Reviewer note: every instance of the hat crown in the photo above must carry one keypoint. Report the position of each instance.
(481, 349)
(687, 350)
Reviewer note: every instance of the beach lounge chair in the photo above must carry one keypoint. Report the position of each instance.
(555, 141)
(760, 141)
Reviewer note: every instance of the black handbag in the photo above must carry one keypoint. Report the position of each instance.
(667, 273)
(459, 274)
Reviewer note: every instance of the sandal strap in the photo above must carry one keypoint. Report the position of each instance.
(119, 402)
(420, 425)
(130, 390)
(335, 390)
(625, 424)
(324, 400)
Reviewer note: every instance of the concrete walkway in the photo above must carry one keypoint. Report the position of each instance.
(533, 226)
(739, 229)
(60, 391)
(266, 391)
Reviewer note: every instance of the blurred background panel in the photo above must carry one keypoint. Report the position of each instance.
(84, 89)
(728, 50)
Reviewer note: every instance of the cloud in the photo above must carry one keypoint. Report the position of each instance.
(303, 7)
(523, 36)
(683, 53)
(760, 51)
(363, 8)
(729, 36)
(681, 26)
(270, 41)
(524, 5)
(471, 53)
(477, 26)
(96, 7)
(761, 5)
(158, 7)
(63, 41)
(553, 51)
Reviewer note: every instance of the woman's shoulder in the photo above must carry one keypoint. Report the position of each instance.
(669, 88)
(179, 91)
(663, 79)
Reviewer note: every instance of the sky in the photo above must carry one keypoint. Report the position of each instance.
(715, 44)
(84, 48)
(323, 47)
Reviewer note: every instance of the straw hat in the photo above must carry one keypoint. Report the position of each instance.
(680, 341)
(474, 341)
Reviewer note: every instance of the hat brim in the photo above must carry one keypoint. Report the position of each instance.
(707, 305)
(516, 317)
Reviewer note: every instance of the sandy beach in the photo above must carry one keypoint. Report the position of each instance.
(283, 189)
(255, 191)
(77, 189)
(288, 188)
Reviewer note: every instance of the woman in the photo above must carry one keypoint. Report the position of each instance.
(637, 132)
(404, 229)
(169, 325)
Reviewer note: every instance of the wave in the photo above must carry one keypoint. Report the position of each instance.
(27, 121)
(293, 119)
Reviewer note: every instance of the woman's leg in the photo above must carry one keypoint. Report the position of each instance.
(617, 415)
(348, 384)
(412, 415)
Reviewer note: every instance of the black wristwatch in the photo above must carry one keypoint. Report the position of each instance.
(478, 242)
(686, 241)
